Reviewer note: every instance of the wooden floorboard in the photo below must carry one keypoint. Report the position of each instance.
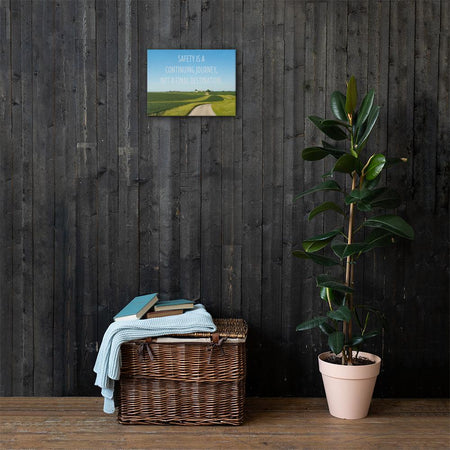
(278, 423)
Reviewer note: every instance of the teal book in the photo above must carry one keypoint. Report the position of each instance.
(137, 307)
(167, 305)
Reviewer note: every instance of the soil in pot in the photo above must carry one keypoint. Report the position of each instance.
(359, 361)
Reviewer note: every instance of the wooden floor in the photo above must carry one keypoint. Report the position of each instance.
(278, 423)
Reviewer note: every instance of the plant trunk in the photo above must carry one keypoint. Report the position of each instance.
(349, 272)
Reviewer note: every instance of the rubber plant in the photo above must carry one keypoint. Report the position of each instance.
(365, 226)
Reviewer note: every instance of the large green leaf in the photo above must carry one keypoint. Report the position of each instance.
(335, 297)
(311, 323)
(331, 130)
(378, 238)
(371, 120)
(365, 198)
(371, 184)
(326, 328)
(394, 224)
(371, 334)
(314, 153)
(317, 153)
(324, 280)
(333, 150)
(341, 314)
(329, 185)
(352, 96)
(359, 195)
(336, 342)
(347, 164)
(326, 206)
(375, 166)
(364, 110)
(343, 250)
(320, 241)
(332, 122)
(338, 105)
(318, 259)
(375, 198)
(356, 340)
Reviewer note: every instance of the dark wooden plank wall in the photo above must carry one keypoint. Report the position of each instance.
(101, 203)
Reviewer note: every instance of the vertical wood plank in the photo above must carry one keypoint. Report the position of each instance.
(65, 308)
(443, 131)
(211, 206)
(86, 197)
(43, 197)
(315, 101)
(149, 171)
(108, 301)
(442, 202)
(421, 207)
(357, 43)
(272, 123)
(373, 278)
(190, 168)
(22, 275)
(252, 87)
(400, 137)
(339, 49)
(231, 295)
(6, 195)
(168, 163)
(128, 152)
(425, 99)
(294, 60)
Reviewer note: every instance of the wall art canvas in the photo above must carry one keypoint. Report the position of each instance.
(191, 82)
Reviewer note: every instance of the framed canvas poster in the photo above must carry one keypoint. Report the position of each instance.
(191, 83)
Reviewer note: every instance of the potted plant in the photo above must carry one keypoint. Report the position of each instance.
(348, 374)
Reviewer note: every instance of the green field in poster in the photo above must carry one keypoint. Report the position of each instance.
(197, 103)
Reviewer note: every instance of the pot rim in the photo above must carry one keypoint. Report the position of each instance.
(350, 372)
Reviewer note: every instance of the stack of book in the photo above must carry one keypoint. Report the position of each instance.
(170, 308)
(149, 306)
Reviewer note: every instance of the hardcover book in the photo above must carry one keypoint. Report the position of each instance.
(173, 312)
(166, 305)
(137, 307)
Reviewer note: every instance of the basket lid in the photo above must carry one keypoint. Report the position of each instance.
(229, 328)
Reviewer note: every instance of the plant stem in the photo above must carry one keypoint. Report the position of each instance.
(349, 273)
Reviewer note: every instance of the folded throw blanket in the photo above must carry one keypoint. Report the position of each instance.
(107, 366)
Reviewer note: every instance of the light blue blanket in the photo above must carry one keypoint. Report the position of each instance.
(107, 366)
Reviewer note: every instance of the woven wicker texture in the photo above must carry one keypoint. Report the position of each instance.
(185, 383)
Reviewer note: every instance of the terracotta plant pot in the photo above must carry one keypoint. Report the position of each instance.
(349, 389)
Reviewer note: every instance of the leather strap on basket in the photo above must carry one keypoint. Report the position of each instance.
(216, 343)
(145, 346)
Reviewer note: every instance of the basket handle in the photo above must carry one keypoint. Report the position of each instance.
(216, 343)
(145, 346)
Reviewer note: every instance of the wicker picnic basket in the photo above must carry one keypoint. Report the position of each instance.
(195, 379)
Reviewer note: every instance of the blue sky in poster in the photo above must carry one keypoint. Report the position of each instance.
(187, 70)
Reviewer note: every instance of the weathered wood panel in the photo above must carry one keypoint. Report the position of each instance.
(6, 204)
(43, 196)
(22, 142)
(149, 170)
(315, 97)
(101, 203)
(190, 168)
(65, 308)
(251, 98)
